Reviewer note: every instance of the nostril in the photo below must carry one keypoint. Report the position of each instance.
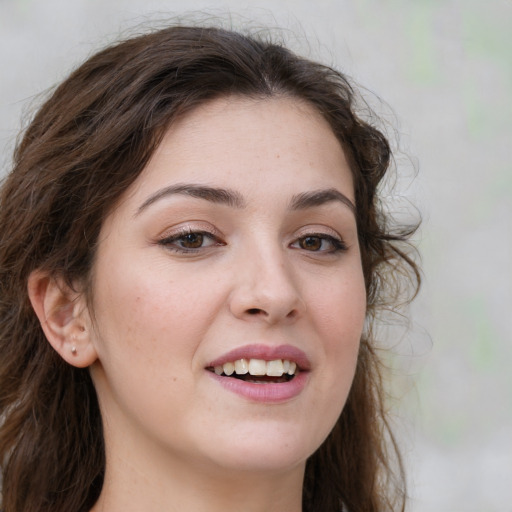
(254, 311)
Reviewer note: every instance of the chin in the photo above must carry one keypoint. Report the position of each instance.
(272, 448)
(264, 462)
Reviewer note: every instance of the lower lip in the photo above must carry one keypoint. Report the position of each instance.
(264, 393)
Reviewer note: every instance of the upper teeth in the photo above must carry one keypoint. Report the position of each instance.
(274, 368)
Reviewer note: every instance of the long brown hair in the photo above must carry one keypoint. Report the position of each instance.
(85, 146)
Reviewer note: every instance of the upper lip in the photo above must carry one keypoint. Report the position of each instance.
(265, 352)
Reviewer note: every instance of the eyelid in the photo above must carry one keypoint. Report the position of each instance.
(185, 228)
(317, 230)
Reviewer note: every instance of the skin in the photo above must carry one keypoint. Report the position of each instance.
(161, 312)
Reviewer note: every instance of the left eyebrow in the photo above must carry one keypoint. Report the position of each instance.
(320, 197)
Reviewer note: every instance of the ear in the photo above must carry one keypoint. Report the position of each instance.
(64, 317)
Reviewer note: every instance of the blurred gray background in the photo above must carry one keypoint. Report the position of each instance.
(445, 68)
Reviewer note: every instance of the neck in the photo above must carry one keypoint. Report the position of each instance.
(145, 477)
(131, 489)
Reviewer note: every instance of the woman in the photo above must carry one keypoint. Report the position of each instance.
(190, 247)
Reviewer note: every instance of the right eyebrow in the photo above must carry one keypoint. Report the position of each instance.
(212, 194)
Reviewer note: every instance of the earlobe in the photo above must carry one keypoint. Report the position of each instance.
(64, 318)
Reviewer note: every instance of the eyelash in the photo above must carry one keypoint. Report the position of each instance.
(171, 242)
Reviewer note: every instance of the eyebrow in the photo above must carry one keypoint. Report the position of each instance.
(318, 198)
(212, 194)
(235, 200)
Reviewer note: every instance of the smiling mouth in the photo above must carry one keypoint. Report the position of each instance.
(258, 371)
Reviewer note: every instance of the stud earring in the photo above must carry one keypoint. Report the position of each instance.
(73, 347)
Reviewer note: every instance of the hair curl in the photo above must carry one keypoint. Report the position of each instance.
(85, 146)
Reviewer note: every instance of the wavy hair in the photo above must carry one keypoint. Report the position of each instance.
(84, 147)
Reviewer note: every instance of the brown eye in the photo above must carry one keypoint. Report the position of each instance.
(192, 240)
(311, 243)
(321, 243)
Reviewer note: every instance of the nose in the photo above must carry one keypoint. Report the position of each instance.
(266, 289)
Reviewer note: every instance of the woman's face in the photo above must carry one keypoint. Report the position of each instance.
(236, 250)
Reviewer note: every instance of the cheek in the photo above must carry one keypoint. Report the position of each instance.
(142, 306)
(145, 341)
(341, 312)
(341, 308)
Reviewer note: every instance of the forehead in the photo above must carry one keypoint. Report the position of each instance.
(281, 144)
